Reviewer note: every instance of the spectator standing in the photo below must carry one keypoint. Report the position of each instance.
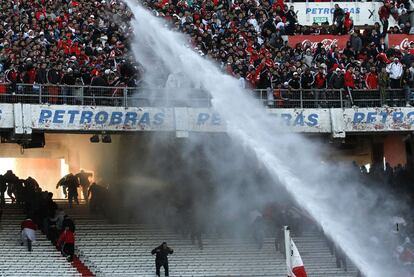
(348, 23)
(338, 19)
(53, 78)
(383, 83)
(395, 69)
(306, 82)
(320, 86)
(41, 74)
(384, 14)
(356, 43)
(407, 84)
(371, 83)
(161, 259)
(68, 80)
(371, 80)
(292, 20)
(336, 81)
(349, 83)
(12, 77)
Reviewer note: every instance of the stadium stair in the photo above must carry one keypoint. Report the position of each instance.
(124, 250)
(15, 260)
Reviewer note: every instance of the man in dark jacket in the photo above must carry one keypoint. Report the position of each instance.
(53, 77)
(11, 180)
(99, 82)
(161, 259)
(68, 79)
(72, 184)
(41, 74)
(338, 18)
(3, 188)
(84, 182)
(337, 79)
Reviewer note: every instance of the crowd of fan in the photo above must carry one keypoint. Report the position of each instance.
(42, 213)
(65, 42)
(247, 39)
(87, 43)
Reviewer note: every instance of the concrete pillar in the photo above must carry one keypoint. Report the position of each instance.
(394, 150)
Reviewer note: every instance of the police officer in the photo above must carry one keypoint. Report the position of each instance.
(161, 259)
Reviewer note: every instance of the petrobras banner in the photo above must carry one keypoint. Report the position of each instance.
(26, 117)
(303, 120)
(378, 120)
(83, 118)
(296, 120)
(327, 41)
(319, 12)
(402, 41)
(205, 120)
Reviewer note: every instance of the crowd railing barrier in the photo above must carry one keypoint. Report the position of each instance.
(190, 97)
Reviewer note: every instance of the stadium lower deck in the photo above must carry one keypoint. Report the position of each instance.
(124, 250)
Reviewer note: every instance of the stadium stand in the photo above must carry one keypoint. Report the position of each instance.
(124, 249)
(15, 260)
(87, 43)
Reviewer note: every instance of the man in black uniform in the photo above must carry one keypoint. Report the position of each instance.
(62, 183)
(98, 195)
(11, 180)
(72, 184)
(84, 183)
(3, 188)
(161, 259)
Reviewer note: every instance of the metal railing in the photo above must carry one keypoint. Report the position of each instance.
(181, 97)
(103, 96)
(332, 98)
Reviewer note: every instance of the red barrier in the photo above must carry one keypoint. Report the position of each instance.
(327, 40)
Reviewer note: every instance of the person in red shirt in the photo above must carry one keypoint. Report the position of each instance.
(384, 14)
(371, 79)
(348, 22)
(320, 85)
(349, 83)
(66, 243)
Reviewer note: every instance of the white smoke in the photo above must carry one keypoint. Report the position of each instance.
(347, 212)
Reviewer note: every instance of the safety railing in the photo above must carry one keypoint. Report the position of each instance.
(333, 98)
(182, 97)
(103, 96)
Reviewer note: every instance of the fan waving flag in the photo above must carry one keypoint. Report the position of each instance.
(297, 268)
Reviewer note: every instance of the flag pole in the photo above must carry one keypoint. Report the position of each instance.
(288, 250)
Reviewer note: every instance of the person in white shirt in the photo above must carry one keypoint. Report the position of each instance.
(242, 81)
(395, 69)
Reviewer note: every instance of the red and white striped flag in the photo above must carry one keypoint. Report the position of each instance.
(295, 267)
